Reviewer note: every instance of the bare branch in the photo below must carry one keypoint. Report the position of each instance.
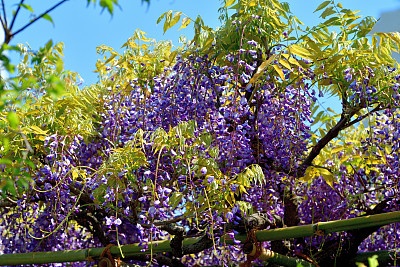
(3, 24)
(4, 13)
(37, 18)
(15, 14)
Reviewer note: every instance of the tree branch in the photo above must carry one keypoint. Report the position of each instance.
(4, 12)
(378, 108)
(37, 18)
(16, 14)
(177, 241)
(204, 243)
(342, 124)
(4, 27)
(91, 222)
(8, 203)
(349, 247)
(4, 19)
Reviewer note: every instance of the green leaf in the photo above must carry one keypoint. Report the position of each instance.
(317, 118)
(331, 110)
(5, 144)
(28, 7)
(175, 199)
(214, 152)
(332, 21)
(48, 45)
(47, 17)
(10, 47)
(9, 187)
(204, 139)
(245, 207)
(323, 5)
(5, 161)
(327, 12)
(252, 173)
(366, 26)
(107, 4)
(161, 17)
(197, 26)
(13, 119)
(373, 261)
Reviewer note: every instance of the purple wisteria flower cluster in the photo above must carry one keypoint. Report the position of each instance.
(184, 151)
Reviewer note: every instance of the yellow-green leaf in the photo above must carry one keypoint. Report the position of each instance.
(285, 64)
(261, 69)
(75, 174)
(13, 119)
(242, 190)
(172, 55)
(229, 2)
(185, 22)
(309, 174)
(161, 17)
(327, 175)
(38, 130)
(295, 62)
(252, 3)
(337, 149)
(168, 17)
(344, 159)
(279, 71)
(300, 51)
(175, 18)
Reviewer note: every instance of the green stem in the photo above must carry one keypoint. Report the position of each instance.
(164, 246)
(325, 227)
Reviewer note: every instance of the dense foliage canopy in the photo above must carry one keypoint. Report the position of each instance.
(192, 141)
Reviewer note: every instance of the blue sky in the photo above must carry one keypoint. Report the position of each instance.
(83, 28)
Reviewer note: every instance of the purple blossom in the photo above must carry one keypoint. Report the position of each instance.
(252, 42)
